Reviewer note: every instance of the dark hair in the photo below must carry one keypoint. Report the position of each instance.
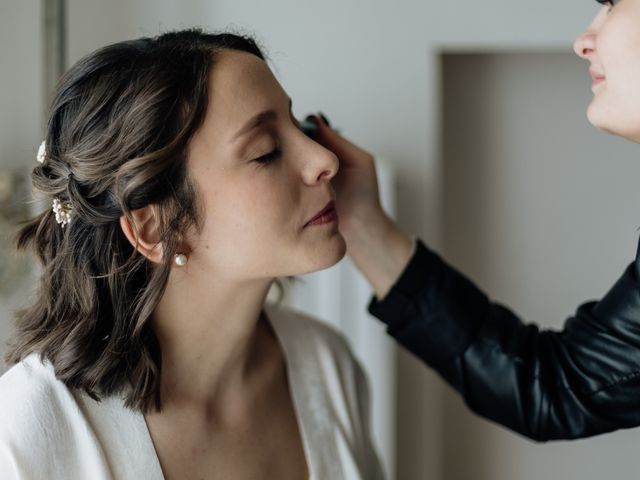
(117, 138)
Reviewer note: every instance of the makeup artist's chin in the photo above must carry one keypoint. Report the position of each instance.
(598, 116)
(610, 122)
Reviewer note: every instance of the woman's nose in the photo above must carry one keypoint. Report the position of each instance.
(322, 165)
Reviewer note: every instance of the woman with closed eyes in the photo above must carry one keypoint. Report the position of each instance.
(181, 187)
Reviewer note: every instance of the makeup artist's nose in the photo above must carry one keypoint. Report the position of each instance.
(585, 44)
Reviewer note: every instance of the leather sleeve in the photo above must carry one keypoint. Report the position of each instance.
(581, 381)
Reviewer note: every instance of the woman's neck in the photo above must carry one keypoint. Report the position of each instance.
(212, 340)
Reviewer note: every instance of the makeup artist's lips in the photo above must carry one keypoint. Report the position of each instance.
(327, 215)
(596, 78)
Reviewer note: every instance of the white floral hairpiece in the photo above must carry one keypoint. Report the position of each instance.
(63, 211)
(41, 152)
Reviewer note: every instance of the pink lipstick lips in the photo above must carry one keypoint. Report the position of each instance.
(596, 78)
(327, 215)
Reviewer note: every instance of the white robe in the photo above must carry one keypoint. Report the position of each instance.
(48, 431)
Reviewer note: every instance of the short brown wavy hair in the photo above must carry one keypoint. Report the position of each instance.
(117, 138)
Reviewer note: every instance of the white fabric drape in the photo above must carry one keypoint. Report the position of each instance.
(340, 296)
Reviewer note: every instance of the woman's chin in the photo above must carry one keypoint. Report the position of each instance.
(341, 249)
(334, 253)
(326, 256)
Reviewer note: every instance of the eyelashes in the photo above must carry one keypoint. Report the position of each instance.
(276, 153)
(269, 157)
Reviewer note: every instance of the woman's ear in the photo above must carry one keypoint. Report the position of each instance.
(145, 228)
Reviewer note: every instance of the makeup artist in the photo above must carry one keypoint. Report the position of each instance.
(578, 382)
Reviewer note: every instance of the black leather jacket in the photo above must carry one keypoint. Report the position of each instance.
(546, 385)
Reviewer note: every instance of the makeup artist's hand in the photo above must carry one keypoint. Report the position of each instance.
(356, 184)
(376, 244)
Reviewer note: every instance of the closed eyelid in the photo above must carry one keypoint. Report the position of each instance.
(261, 124)
(263, 139)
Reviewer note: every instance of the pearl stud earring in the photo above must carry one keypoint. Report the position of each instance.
(180, 259)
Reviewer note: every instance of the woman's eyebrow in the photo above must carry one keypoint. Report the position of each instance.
(257, 120)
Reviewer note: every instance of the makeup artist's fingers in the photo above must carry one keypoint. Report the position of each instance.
(350, 155)
(356, 183)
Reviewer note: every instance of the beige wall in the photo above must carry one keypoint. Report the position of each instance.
(542, 211)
